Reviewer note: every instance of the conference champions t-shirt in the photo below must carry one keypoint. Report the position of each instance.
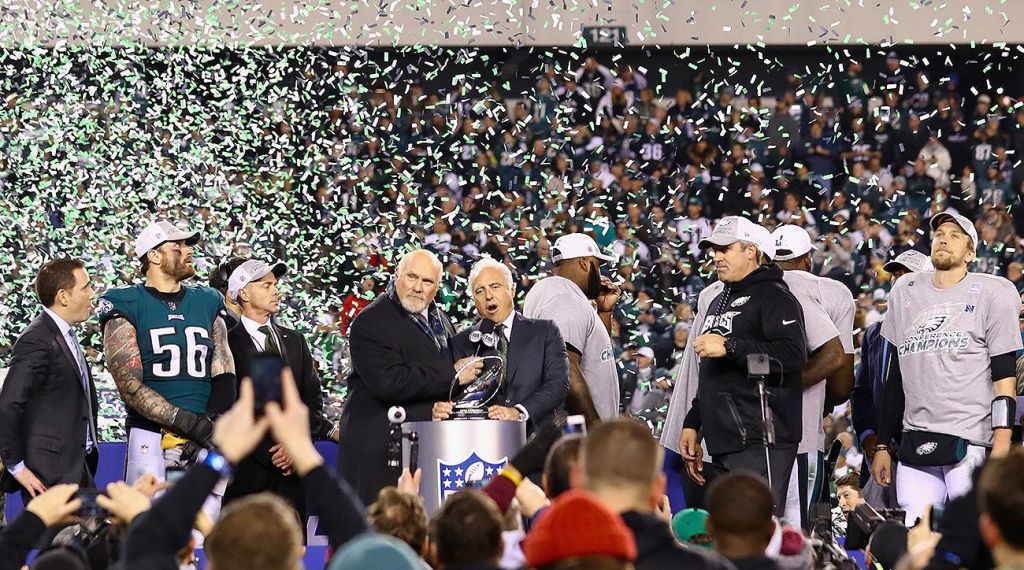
(835, 300)
(945, 339)
(559, 300)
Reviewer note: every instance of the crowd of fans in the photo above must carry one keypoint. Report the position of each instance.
(600, 505)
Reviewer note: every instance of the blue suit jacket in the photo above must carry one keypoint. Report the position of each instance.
(537, 374)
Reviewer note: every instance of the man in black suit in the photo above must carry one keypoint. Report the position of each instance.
(253, 286)
(535, 381)
(48, 403)
(400, 357)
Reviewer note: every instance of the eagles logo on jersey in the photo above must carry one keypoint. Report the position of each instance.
(933, 324)
(103, 307)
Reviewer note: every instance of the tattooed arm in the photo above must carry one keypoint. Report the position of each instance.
(125, 363)
(223, 385)
(223, 361)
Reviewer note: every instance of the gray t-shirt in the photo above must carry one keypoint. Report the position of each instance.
(945, 339)
(837, 302)
(686, 374)
(560, 300)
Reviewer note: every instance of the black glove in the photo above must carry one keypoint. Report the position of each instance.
(531, 457)
(195, 427)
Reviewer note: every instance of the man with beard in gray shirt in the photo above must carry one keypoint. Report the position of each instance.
(580, 302)
(953, 379)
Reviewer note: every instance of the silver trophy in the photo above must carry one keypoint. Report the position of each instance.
(471, 403)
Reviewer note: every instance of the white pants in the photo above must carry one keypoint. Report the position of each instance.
(919, 487)
(146, 456)
(796, 511)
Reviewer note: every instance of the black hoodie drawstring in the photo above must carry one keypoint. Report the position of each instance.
(723, 301)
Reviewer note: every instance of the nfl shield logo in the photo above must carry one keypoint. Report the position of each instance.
(452, 478)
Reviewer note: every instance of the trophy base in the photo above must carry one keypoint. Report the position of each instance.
(468, 414)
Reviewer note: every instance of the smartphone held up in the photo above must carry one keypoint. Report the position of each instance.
(265, 370)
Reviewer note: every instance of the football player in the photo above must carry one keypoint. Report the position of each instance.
(167, 349)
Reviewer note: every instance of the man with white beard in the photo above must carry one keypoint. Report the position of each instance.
(400, 357)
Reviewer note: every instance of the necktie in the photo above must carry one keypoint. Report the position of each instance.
(502, 351)
(83, 376)
(269, 342)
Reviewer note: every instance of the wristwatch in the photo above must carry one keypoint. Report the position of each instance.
(214, 460)
(730, 345)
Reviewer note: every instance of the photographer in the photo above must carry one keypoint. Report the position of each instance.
(754, 314)
(155, 536)
(54, 507)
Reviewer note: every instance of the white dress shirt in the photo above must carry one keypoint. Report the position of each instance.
(257, 336)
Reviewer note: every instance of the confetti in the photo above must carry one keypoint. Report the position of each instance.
(337, 137)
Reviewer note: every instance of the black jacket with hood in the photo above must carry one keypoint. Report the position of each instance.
(761, 314)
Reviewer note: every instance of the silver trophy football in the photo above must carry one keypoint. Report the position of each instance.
(471, 403)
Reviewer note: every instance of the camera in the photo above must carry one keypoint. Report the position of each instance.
(396, 414)
(863, 521)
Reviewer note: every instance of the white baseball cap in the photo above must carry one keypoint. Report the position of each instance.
(912, 260)
(250, 271)
(791, 242)
(732, 229)
(966, 225)
(571, 246)
(158, 233)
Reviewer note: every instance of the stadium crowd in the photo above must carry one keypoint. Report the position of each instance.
(861, 163)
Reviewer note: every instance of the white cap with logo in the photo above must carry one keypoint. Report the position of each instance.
(732, 229)
(158, 233)
(791, 242)
(912, 260)
(250, 271)
(572, 246)
(966, 225)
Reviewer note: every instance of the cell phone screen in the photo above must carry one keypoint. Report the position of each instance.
(89, 509)
(575, 424)
(938, 509)
(265, 371)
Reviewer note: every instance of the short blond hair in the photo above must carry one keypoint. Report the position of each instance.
(258, 531)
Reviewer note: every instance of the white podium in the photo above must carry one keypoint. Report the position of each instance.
(459, 454)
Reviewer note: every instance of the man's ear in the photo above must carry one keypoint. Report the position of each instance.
(990, 533)
(62, 299)
(576, 476)
(658, 489)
